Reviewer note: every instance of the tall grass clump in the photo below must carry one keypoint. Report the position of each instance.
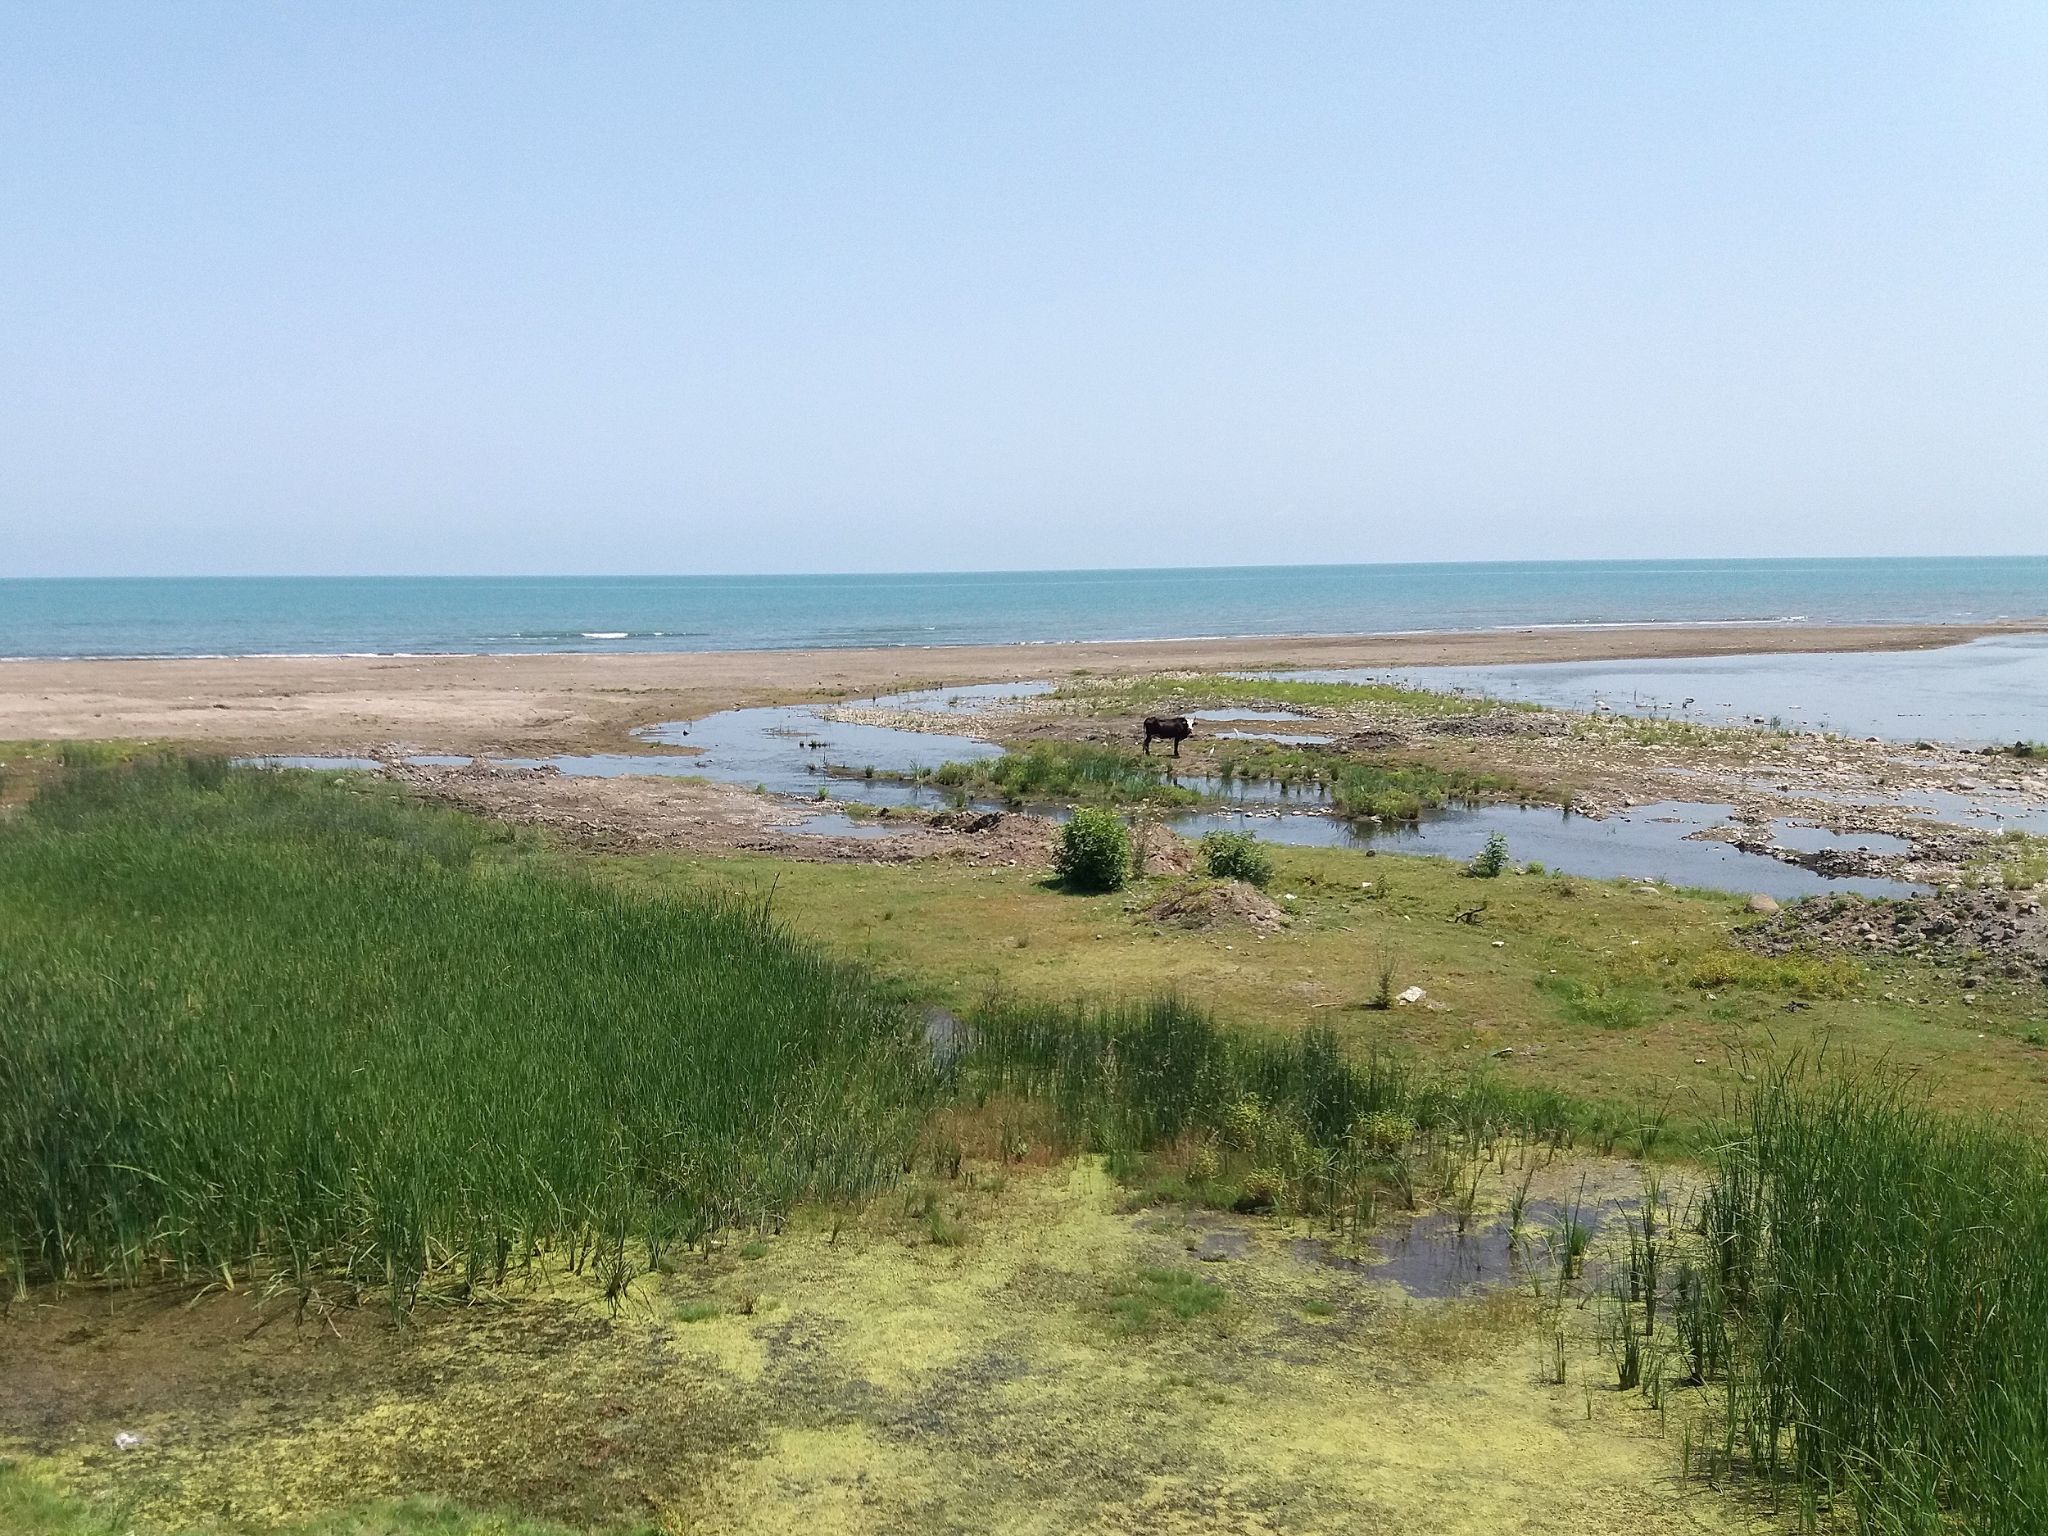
(1069, 771)
(1403, 791)
(298, 1028)
(1257, 1120)
(1873, 1282)
(1173, 693)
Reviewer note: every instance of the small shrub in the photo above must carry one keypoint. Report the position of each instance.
(1236, 856)
(1094, 852)
(1492, 860)
(1600, 1004)
(699, 1311)
(1800, 973)
(1383, 993)
(1260, 1190)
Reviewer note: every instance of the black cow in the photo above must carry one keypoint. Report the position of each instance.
(1173, 728)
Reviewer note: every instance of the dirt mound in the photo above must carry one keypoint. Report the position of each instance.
(1993, 931)
(1216, 904)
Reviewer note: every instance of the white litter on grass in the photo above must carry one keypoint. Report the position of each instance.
(1410, 995)
(127, 1441)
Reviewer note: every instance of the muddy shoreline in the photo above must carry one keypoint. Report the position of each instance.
(560, 702)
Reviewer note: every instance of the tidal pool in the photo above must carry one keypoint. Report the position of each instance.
(970, 697)
(1804, 839)
(1278, 738)
(1431, 1259)
(1651, 842)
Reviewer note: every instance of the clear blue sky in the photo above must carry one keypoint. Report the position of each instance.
(518, 288)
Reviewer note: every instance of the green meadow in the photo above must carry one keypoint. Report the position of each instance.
(294, 1038)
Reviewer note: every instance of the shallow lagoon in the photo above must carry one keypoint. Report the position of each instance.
(1987, 691)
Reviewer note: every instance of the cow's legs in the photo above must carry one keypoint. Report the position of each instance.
(1176, 746)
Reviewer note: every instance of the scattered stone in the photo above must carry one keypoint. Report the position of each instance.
(1980, 930)
(1764, 905)
(1410, 995)
(968, 821)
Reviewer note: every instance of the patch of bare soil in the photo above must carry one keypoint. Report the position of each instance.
(1202, 904)
(646, 814)
(1989, 932)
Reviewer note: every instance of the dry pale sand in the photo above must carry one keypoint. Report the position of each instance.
(525, 704)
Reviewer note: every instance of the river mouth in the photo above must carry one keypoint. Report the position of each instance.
(803, 752)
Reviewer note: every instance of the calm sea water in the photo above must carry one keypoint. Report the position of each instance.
(318, 615)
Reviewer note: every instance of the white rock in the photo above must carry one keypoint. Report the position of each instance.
(1410, 995)
(127, 1441)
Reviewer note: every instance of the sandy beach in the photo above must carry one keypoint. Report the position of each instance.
(556, 702)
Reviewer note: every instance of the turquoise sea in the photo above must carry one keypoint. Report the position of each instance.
(428, 615)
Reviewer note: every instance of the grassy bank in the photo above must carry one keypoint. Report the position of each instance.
(297, 1029)
(1069, 772)
(296, 1026)
(1381, 787)
(1084, 773)
(1609, 992)
(1172, 694)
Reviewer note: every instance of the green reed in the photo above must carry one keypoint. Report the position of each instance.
(1873, 1305)
(293, 1026)
(1291, 1121)
(1070, 771)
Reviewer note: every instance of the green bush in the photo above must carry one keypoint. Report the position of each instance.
(1094, 852)
(1492, 861)
(1236, 856)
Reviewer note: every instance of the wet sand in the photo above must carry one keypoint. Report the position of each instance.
(560, 702)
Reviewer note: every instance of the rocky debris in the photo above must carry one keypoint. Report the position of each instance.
(1202, 904)
(1409, 996)
(1373, 741)
(966, 821)
(1499, 722)
(2002, 932)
